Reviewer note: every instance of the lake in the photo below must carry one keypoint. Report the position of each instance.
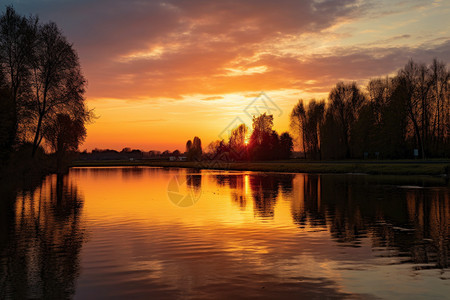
(141, 232)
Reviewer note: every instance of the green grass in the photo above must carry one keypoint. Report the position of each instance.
(382, 167)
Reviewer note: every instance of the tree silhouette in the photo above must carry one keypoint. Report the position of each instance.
(194, 149)
(236, 143)
(346, 101)
(58, 85)
(64, 134)
(286, 146)
(298, 124)
(8, 119)
(41, 79)
(17, 37)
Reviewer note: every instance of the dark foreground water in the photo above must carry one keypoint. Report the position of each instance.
(137, 233)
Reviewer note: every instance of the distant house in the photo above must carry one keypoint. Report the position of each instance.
(182, 158)
(172, 158)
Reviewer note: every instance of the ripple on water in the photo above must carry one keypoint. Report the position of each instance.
(113, 233)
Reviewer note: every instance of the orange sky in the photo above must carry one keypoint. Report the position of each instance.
(161, 72)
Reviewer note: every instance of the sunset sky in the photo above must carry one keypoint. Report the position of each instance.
(160, 72)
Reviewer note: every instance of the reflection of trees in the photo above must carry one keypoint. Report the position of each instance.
(415, 223)
(264, 190)
(430, 214)
(237, 188)
(236, 183)
(39, 253)
(132, 173)
(194, 179)
(306, 211)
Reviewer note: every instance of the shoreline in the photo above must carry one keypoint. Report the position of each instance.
(435, 168)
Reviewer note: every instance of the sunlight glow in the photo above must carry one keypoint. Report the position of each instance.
(243, 71)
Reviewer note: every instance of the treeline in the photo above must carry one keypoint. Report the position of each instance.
(129, 154)
(400, 117)
(263, 144)
(41, 88)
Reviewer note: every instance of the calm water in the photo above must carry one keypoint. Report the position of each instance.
(175, 233)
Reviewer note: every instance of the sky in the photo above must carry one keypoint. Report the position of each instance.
(160, 72)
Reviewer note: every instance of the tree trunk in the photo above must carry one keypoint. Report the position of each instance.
(419, 138)
(36, 135)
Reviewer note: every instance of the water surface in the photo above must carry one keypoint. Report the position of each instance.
(102, 233)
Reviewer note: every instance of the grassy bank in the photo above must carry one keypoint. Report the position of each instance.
(382, 167)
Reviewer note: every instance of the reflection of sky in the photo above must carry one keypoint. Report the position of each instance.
(139, 239)
(156, 64)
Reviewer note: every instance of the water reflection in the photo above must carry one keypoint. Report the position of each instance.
(42, 235)
(413, 221)
(194, 180)
(260, 235)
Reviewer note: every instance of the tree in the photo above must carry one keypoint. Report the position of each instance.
(393, 129)
(57, 82)
(17, 39)
(64, 134)
(126, 150)
(188, 146)
(236, 142)
(194, 149)
(298, 124)
(286, 146)
(262, 125)
(332, 146)
(413, 79)
(439, 90)
(314, 120)
(8, 120)
(197, 147)
(306, 124)
(346, 101)
(262, 138)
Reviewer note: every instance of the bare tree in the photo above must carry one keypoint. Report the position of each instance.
(412, 78)
(440, 78)
(57, 83)
(345, 102)
(298, 124)
(314, 120)
(17, 40)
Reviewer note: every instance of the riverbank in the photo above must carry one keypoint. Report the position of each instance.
(295, 166)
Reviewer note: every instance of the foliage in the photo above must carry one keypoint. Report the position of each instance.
(41, 80)
(64, 134)
(194, 149)
(394, 117)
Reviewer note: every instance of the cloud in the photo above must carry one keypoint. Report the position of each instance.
(212, 98)
(176, 48)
